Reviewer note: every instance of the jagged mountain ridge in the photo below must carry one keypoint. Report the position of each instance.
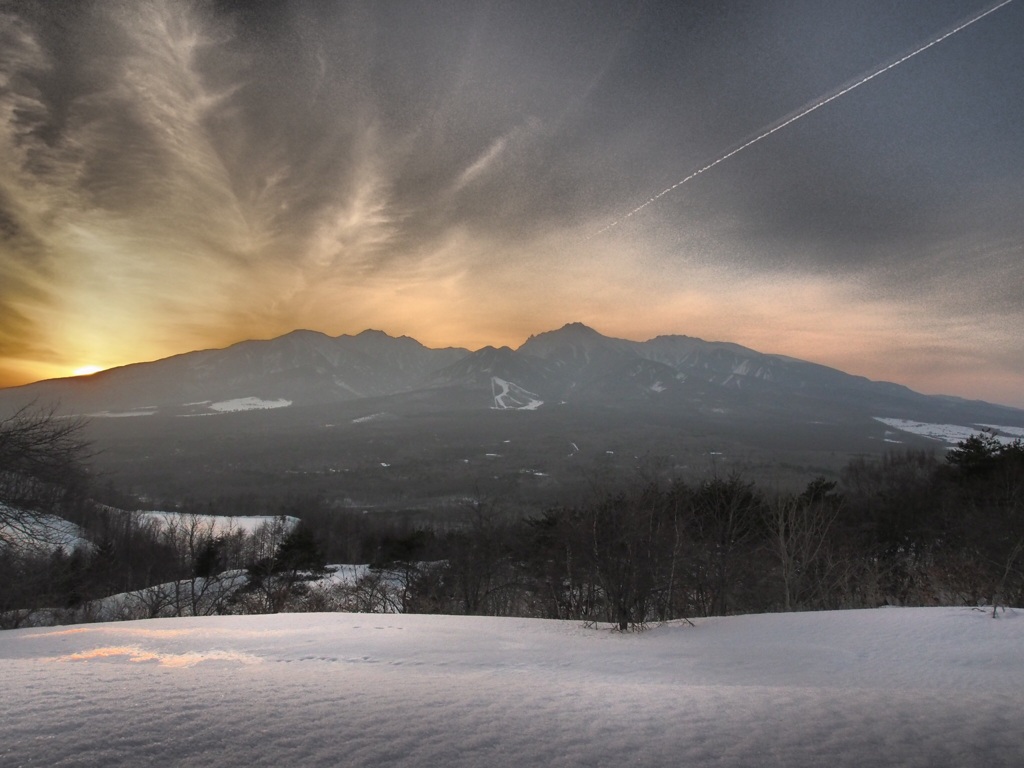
(572, 364)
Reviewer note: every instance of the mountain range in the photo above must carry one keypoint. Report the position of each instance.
(310, 404)
(572, 364)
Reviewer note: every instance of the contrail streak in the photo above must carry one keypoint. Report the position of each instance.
(821, 102)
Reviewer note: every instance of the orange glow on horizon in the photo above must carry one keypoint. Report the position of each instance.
(87, 370)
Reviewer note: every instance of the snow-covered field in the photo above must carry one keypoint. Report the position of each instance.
(951, 434)
(907, 687)
(40, 532)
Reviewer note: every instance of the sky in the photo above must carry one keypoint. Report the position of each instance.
(184, 175)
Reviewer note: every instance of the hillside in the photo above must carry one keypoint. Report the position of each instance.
(371, 420)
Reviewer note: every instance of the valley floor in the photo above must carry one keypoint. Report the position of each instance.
(915, 686)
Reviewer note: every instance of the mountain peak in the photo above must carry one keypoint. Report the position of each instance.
(569, 332)
(579, 328)
(576, 347)
(298, 333)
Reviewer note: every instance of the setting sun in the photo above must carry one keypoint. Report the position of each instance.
(87, 370)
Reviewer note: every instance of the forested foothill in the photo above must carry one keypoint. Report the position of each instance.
(910, 528)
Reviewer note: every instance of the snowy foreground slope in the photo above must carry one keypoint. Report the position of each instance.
(917, 686)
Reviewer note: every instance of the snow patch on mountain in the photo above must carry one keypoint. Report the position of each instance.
(248, 404)
(369, 417)
(144, 411)
(509, 396)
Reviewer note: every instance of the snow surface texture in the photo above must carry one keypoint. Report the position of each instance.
(895, 686)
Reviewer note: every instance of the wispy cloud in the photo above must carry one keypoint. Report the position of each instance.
(480, 165)
(183, 174)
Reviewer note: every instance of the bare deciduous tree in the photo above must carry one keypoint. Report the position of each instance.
(41, 457)
(798, 529)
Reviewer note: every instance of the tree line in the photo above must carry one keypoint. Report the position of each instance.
(906, 528)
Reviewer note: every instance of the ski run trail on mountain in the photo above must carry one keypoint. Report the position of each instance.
(886, 687)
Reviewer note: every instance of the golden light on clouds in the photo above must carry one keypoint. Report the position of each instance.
(180, 175)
